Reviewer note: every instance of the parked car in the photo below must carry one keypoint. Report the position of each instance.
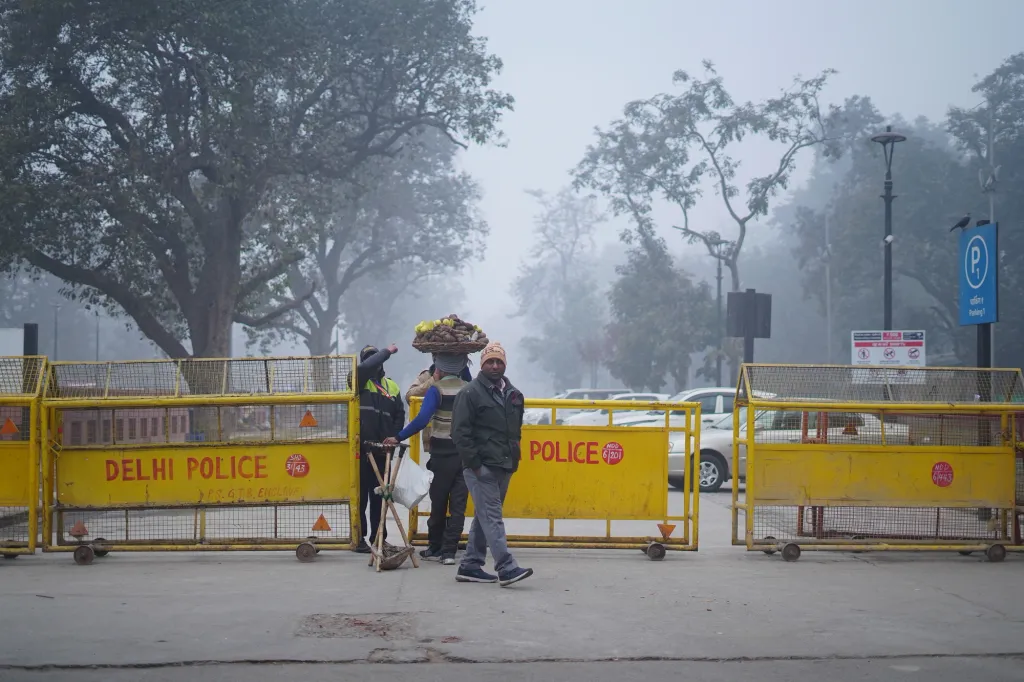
(600, 417)
(715, 402)
(770, 426)
(540, 415)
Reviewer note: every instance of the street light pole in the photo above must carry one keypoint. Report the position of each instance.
(828, 294)
(56, 309)
(989, 188)
(888, 140)
(718, 325)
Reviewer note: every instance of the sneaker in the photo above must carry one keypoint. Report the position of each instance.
(448, 560)
(362, 547)
(514, 576)
(474, 575)
(430, 554)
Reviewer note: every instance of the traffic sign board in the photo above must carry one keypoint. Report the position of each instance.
(979, 275)
(894, 351)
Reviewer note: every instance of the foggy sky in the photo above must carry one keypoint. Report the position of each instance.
(573, 64)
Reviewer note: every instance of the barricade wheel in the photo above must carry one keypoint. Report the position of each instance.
(312, 539)
(84, 555)
(769, 552)
(306, 552)
(791, 552)
(97, 543)
(995, 553)
(9, 557)
(655, 551)
(965, 553)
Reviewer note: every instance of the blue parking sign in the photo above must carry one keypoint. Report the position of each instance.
(979, 275)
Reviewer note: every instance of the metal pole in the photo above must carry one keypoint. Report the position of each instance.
(721, 332)
(97, 338)
(56, 309)
(828, 294)
(888, 197)
(992, 217)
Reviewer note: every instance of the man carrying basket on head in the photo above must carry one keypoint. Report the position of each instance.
(448, 491)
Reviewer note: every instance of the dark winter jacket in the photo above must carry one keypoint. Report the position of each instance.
(487, 424)
(381, 412)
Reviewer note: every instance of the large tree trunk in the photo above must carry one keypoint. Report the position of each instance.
(319, 342)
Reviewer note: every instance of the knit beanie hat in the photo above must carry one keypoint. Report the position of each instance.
(493, 350)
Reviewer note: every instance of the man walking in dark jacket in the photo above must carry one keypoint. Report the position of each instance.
(381, 416)
(486, 429)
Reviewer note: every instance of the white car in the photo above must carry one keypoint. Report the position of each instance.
(542, 415)
(770, 426)
(600, 417)
(714, 403)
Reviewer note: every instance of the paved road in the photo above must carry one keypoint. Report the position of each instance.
(721, 613)
(861, 670)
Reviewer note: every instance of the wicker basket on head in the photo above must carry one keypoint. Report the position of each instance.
(450, 347)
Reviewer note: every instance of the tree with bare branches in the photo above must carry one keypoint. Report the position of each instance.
(408, 218)
(671, 147)
(555, 293)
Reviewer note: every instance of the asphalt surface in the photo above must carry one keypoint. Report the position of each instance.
(719, 614)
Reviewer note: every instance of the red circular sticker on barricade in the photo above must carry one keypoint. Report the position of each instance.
(942, 474)
(296, 466)
(612, 453)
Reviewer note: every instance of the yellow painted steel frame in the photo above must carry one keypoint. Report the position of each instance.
(19, 466)
(824, 475)
(607, 473)
(171, 462)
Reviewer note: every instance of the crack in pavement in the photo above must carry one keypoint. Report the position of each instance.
(437, 656)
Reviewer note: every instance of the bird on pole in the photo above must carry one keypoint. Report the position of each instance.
(962, 223)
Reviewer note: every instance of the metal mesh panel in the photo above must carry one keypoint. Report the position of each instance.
(883, 523)
(881, 384)
(203, 424)
(19, 417)
(784, 426)
(21, 376)
(174, 378)
(1020, 480)
(210, 525)
(13, 526)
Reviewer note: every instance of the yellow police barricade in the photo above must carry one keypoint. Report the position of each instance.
(219, 454)
(21, 383)
(877, 458)
(614, 474)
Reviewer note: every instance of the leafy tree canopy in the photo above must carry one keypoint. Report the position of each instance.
(139, 141)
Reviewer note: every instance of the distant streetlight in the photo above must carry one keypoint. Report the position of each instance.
(888, 140)
(56, 310)
(719, 249)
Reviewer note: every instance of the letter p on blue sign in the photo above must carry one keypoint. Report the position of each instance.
(978, 267)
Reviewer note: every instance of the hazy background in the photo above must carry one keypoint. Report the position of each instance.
(571, 65)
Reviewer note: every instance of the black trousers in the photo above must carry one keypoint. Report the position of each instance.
(448, 497)
(367, 482)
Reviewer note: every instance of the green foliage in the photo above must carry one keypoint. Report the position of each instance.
(413, 213)
(138, 140)
(936, 176)
(659, 317)
(673, 148)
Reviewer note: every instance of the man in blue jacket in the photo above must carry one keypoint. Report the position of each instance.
(448, 491)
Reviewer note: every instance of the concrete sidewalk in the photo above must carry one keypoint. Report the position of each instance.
(719, 605)
(722, 604)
